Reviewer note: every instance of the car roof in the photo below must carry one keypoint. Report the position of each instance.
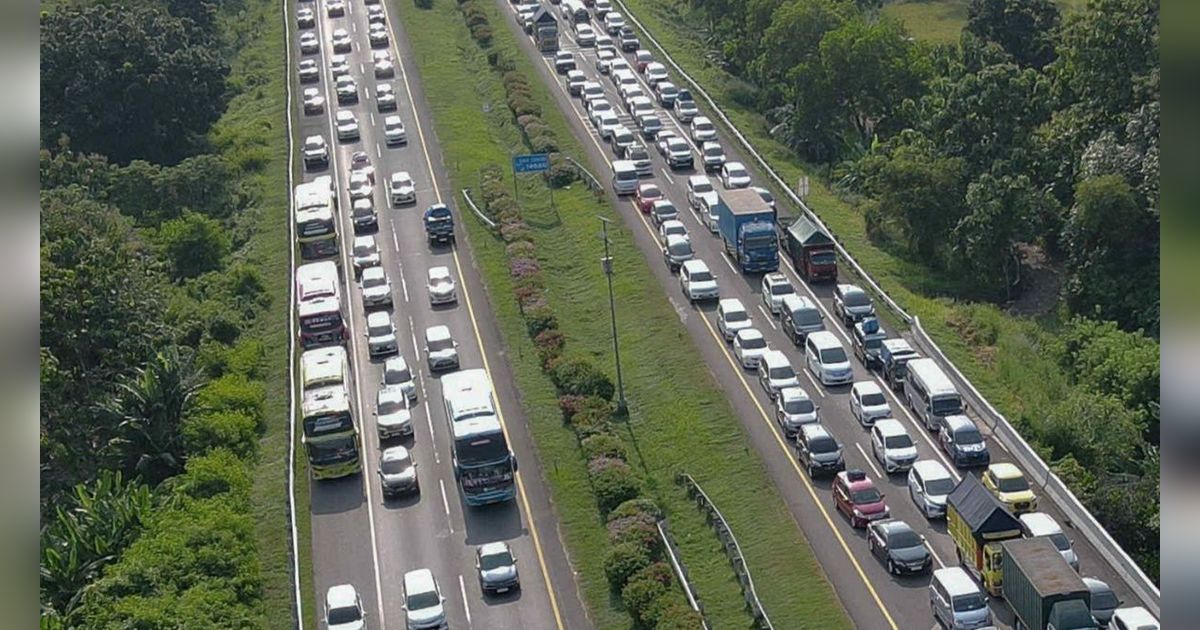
(892, 525)
(437, 332)
(824, 339)
(889, 426)
(849, 288)
(775, 277)
(727, 304)
(776, 357)
(698, 179)
(816, 429)
(695, 265)
(957, 422)
(394, 453)
(437, 272)
(378, 317)
(749, 333)
(1136, 616)
(867, 387)
(931, 469)
(374, 271)
(1039, 523)
(488, 549)
(956, 581)
(793, 393)
(341, 596)
(364, 240)
(395, 363)
(418, 581)
(1005, 470)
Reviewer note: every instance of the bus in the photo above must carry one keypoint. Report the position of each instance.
(324, 367)
(330, 435)
(316, 224)
(483, 464)
(319, 304)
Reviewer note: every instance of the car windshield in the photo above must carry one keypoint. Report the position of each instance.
(753, 343)
(874, 399)
(950, 406)
(782, 372)
(495, 561)
(806, 317)
(766, 196)
(939, 487)
(345, 614)
(364, 249)
(440, 344)
(968, 435)
(737, 172)
(703, 187)
(833, 355)
(866, 495)
(799, 405)
(395, 377)
(823, 444)
(873, 343)
(904, 539)
(677, 145)
(650, 192)
(704, 126)
(1060, 540)
(736, 316)
(395, 466)
(680, 248)
(1014, 484)
(965, 603)
(782, 288)
(701, 276)
(392, 405)
(897, 441)
(373, 280)
(421, 601)
(712, 151)
(1104, 600)
(857, 298)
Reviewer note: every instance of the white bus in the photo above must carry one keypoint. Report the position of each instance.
(316, 223)
(930, 393)
(324, 367)
(483, 465)
(319, 304)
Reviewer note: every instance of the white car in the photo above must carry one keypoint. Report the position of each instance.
(306, 17)
(316, 152)
(393, 417)
(608, 123)
(339, 65)
(393, 131)
(640, 106)
(336, 8)
(441, 287)
(677, 249)
(929, 483)
(734, 175)
(867, 403)
(400, 189)
(697, 282)
(685, 109)
(591, 91)
(775, 286)
(613, 22)
(732, 317)
(619, 65)
(766, 195)
(347, 125)
(314, 103)
(381, 335)
(397, 373)
(366, 253)
(341, 40)
(891, 445)
(375, 14)
(360, 162)
(775, 373)
(360, 185)
(575, 81)
(599, 106)
(424, 605)
(441, 350)
(585, 36)
(343, 608)
(655, 72)
(671, 227)
(700, 187)
(385, 97)
(384, 68)
(377, 34)
(702, 129)
(749, 346)
(376, 288)
(605, 57)
(346, 89)
(713, 155)
(308, 70)
(309, 43)
(794, 409)
(665, 93)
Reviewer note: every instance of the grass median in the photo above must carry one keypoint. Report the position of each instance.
(679, 417)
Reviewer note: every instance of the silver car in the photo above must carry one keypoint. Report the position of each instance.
(497, 568)
(392, 415)
(376, 288)
(381, 335)
(396, 372)
(441, 349)
(397, 472)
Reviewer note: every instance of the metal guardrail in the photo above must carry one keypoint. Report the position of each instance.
(732, 549)
(589, 179)
(1008, 435)
(681, 573)
(466, 195)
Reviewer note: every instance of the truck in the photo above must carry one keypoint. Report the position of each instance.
(1043, 591)
(747, 226)
(545, 30)
(978, 522)
(439, 223)
(812, 251)
(867, 341)
(894, 355)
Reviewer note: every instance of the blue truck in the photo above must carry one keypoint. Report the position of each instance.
(439, 224)
(747, 225)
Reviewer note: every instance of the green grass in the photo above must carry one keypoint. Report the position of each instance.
(679, 418)
(941, 21)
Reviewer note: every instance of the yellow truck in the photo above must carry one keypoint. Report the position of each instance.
(978, 522)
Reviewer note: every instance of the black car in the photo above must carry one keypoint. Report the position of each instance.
(818, 451)
(899, 547)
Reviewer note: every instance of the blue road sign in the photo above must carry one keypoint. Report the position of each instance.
(531, 163)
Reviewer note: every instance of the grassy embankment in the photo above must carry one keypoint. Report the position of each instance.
(941, 21)
(679, 418)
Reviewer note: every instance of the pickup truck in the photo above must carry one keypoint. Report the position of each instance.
(1042, 589)
(439, 224)
(747, 227)
(812, 251)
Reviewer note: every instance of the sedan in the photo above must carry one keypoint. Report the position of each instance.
(564, 62)
(347, 90)
(647, 194)
(393, 417)
(376, 288)
(650, 125)
(396, 372)
(397, 472)
(305, 17)
(314, 103)
(677, 151)
(440, 285)
(341, 40)
(393, 131)
(347, 125)
(377, 35)
(497, 568)
(575, 81)
(385, 97)
(663, 210)
(899, 547)
(309, 71)
(400, 189)
(585, 36)
(309, 43)
(336, 8)
(339, 65)
(702, 129)
(383, 66)
(668, 228)
(665, 92)
(734, 175)
(375, 14)
(749, 346)
(604, 57)
(655, 72)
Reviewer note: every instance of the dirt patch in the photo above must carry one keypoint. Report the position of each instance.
(1040, 284)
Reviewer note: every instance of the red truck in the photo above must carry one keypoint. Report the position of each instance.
(812, 251)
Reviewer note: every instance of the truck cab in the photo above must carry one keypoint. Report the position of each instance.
(866, 341)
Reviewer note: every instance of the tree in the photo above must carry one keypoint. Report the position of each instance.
(1024, 28)
(1098, 430)
(194, 244)
(1108, 57)
(1133, 154)
(128, 81)
(792, 36)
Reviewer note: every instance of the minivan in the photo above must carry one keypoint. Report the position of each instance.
(957, 601)
(1042, 525)
(775, 372)
(963, 442)
(1133, 618)
(826, 358)
(625, 177)
(423, 601)
(930, 393)
(799, 316)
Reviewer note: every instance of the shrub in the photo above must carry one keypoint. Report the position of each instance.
(639, 596)
(482, 34)
(217, 473)
(635, 507)
(660, 572)
(637, 530)
(533, 305)
(588, 424)
(612, 481)
(231, 429)
(473, 15)
(233, 393)
(603, 445)
(423, 4)
(522, 104)
(522, 249)
(515, 231)
(561, 172)
(543, 142)
(622, 562)
(579, 376)
(529, 291)
(675, 615)
(534, 126)
(523, 267)
(499, 61)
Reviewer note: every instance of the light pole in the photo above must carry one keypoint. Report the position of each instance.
(607, 264)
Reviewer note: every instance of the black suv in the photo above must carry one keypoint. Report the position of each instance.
(818, 451)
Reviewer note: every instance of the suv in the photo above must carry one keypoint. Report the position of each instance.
(713, 156)
(794, 409)
(376, 289)
(775, 286)
(697, 282)
(628, 39)
(868, 403)
(441, 349)
(497, 568)
(636, 152)
(818, 451)
(343, 608)
(892, 446)
(851, 303)
(393, 416)
(961, 440)
(423, 601)
(1008, 484)
(381, 335)
(775, 373)
(929, 483)
(798, 316)
(748, 347)
(700, 187)
(732, 317)
(315, 152)
(857, 497)
(397, 472)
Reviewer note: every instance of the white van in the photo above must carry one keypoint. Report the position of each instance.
(625, 177)
(709, 205)
(957, 601)
(1042, 525)
(826, 358)
(930, 393)
(423, 601)
(1133, 618)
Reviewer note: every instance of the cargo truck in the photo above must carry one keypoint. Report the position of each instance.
(1044, 592)
(747, 226)
(812, 251)
(978, 523)
(545, 30)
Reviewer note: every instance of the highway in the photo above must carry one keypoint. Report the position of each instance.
(873, 598)
(357, 536)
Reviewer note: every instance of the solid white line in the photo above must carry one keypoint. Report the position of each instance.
(767, 314)
(870, 461)
(396, 244)
(668, 176)
(725, 257)
(378, 152)
(462, 586)
(816, 386)
(446, 504)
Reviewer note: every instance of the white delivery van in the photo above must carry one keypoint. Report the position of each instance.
(625, 177)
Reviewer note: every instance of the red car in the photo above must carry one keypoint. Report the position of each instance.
(858, 498)
(647, 194)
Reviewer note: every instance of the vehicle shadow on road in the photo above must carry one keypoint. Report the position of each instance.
(492, 523)
(336, 496)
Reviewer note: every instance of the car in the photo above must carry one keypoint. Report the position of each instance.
(596, 106)
(310, 44)
(630, 91)
(639, 105)
(856, 496)
(677, 250)
(440, 285)
(397, 373)
(604, 41)
(575, 80)
(621, 138)
(1042, 525)
(958, 601)
(398, 472)
(376, 288)
(377, 35)
(636, 152)
(627, 39)
(663, 210)
(697, 282)
(734, 175)
(774, 286)
(343, 608)
(685, 108)
(665, 93)
(400, 189)
(962, 441)
(892, 446)
(867, 403)
(585, 36)
(375, 14)
(800, 317)
(613, 22)
(766, 195)
(700, 189)
(900, 548)
(316, 152)
(339, 65)
(776, 373)
(1008, 483)
(619, 65)
(336, 8)
(604, 57)
(591, 90)
(748, 347)
(732, 317)
(424, 605)
(497, 567)
(1133, 618)
(673, 227)
(441, 349)
(341, 40)
(365, 253)
(381, 339)
(308, 71)
(361, 186)
(677, 151)
(607, 123)
(564, 62)
(650, 124)
(929, 483)
(713, 157)
(383, 66)
(818, 451)
(642, 58)
(385, 97)
(393, 131)
(702, 129)
(1104, 600)
(346, 89)
(362, 214)
(601, 7)
(314, 103)
(647, 194)
(851, 303)
(655, 72)
(347, 125)
(524, 15)
(360, 162)
(794, 408)
(306, 17)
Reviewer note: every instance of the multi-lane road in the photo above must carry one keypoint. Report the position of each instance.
(358, 537)
(873, 598)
